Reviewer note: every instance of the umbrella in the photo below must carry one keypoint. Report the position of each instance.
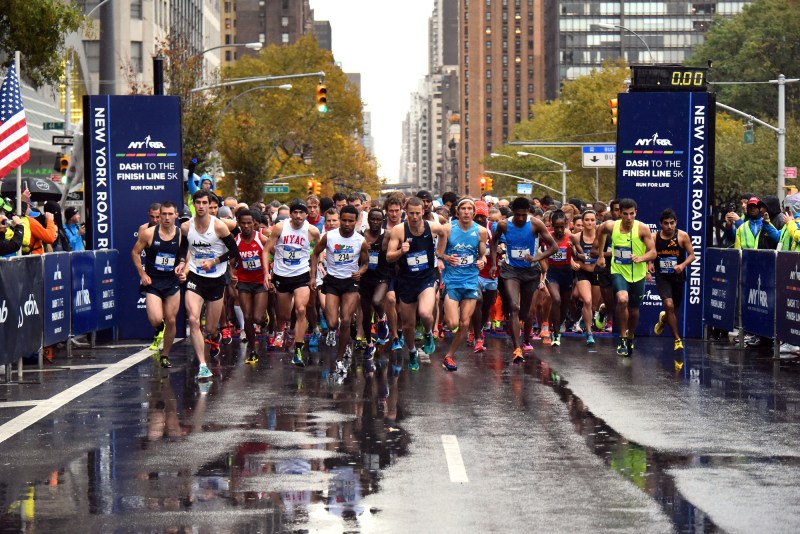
(42, 189)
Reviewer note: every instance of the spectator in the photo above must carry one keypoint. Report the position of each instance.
(35, 234)
(74, 229)
(11, 230)
(773, 208)
(756, 232)
(62, 241)
(790, 235)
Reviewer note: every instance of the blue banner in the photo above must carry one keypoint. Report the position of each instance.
(665, 149)
(105, 280)
(21, 305)
(721, 287)
(133, 159)
(758, 292)
(57, 303)
(84, 317)
(787, 282)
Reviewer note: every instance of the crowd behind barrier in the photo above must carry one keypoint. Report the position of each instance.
(47, 299)
(755, 291)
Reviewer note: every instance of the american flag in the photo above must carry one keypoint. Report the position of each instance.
(15, 148)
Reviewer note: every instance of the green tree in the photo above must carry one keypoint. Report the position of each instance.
(37, 28)
(756, 45)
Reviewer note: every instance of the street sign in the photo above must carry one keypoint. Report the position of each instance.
(62, 139)
(524, 189)
(790, 172)
(276, 188)
(53, 125)
(603, 156)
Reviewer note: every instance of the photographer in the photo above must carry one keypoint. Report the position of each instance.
(74, 229)
(10, 241)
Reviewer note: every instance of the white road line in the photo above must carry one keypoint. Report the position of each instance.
(455, 463)
(19, 404)
(48, 406)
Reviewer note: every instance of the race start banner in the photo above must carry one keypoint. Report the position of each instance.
(57, 303)
(665, 159)
(133, 159)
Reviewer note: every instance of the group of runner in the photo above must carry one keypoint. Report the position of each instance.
(394, 272)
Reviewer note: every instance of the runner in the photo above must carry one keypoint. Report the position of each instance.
(487, 285)
(374, 283)
(462, 252)
(394, 216)
(346, 261)
(520, 270)
(209, 245)
(159, 284)
(674, 253)
(411, 245)
(605, 312)
(250, 280)
(292, 244)
(560, 273)
(632, 246)
(585, 277)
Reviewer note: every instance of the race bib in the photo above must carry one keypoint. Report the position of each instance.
(164, 261)
(587, 252)
(342, 257)
(417, 261)
(200, 258)
(560, 255)
(519, 253)
(666, 264)
(252, 264)
(291, 256)
(373, 260)
(465, 261)
(623, 255)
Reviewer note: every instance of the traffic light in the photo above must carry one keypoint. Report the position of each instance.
(614, 104)
(322, 98)
(483, 184)
(317, 187)
(310, 187)
(63, 164)
(489, 183)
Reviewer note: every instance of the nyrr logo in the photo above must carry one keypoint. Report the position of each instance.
(82, 297)
(107, 269)
(757, 296)
(721, 267)
(795, 275)
(147, 143)
(654, 141)
(651, 299)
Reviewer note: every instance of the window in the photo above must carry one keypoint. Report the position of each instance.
(285, 22)
(136, 56)
(488, 60)
(488, 74)
(285, 38)
(489, 103)
(136, 9)
(92, 51)
(262, 37)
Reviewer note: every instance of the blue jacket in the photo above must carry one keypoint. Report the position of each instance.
(75, 239)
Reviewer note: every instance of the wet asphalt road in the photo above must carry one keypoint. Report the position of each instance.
(571, 441)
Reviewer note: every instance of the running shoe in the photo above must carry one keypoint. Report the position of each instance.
(589, 339)
(278, 341)
(418, 334)
(479, 347)
(213, 350)
(165, 363)
(348, 352)
(226, 336)
(449, 364)
(630, 345)
(313, 341)
(518, 357)
(622, 348)
(297, 357)
(545, 333)
(204, 372)
(678, 365)
(678, 344)
(556, 342)
(157, 340)
(330, 339)
(430, 344)
(397, 344)
(526, 346)
(600, 317)
(323, 324)
(497, 326)
(361, 343)
(370, 352)
(341, 368)
(382, 331)
(413, 361)
(252, 358)
(470, 339)
(659, 327)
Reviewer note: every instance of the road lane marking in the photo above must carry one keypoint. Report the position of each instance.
(18, 404)
(455, 463)
(48, 406)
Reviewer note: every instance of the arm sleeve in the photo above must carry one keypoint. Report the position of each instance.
(233, 250)
(10, 246)
(772, 232)
(183, 248)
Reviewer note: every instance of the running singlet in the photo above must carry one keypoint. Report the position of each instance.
(462, 244)
(624, 246)
(378, 266)
(342, 254)
(563, 255)
(159, 257)
(206, 246)
(418, 263)
(587, 251)
(519, 242)
(668, 255)
(292, 251)
(251, 268)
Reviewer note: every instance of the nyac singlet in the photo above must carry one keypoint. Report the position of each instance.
(292, 251)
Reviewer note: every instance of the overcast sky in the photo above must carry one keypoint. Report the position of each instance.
(387, 42)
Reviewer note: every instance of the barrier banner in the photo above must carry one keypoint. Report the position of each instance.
(758, 292)
(721, 287)
(21, 305)
(665, 159)
(57, 303)
(105, 286)
(82, 293)
(133, 159)
(787, 287)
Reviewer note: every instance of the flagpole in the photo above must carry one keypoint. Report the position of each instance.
(19, 168)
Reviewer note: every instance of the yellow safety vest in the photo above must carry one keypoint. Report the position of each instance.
(26, 235)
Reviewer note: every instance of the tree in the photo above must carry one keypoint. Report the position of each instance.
(756, 45)
(37, 28)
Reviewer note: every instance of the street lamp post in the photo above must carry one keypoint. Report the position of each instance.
(620, 27)
(564, 172)
(252, 46)
(526, 180)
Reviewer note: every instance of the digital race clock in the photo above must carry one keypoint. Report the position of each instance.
(668, 78)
